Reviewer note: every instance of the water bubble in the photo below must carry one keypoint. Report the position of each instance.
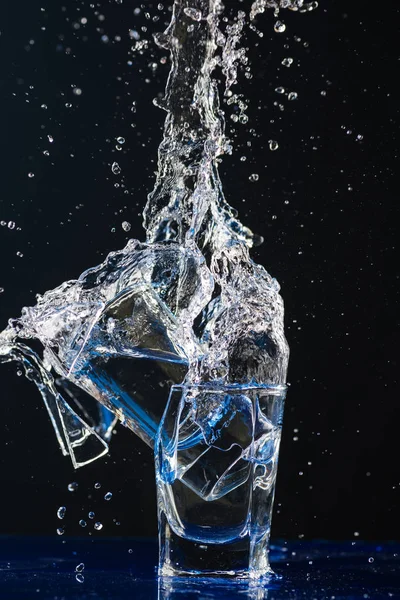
(254, 177)
(97, 486)
(273, 145)
(359, 137)
(77, 91)
(126, 226)
(98, 525)
(121, 140)
(279, 27)
(115, 168)
(30, 175)
(61, 512)
(11, 225)
(79, 568)
(108, 496)
(356, 534)
(130, 551)
(72, 487)
(50, 138)
(44, 106)
(79, 577)
(1, 290)
(371, 559)
(91, 515)
(293, 96)
(60, 531)
(287, 62)
(280, 90)
(193, 13)
(3, 223)
(19, 254)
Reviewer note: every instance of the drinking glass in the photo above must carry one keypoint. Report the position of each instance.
(216, 459)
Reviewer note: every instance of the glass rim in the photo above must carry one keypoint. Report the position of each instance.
(220, 386)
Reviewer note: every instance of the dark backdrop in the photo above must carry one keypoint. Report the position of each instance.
(325, 203)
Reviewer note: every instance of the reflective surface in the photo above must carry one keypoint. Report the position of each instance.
(117, 569)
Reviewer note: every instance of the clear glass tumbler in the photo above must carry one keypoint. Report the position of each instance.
(216, 462)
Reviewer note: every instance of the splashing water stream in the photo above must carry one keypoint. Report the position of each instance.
(189, 304)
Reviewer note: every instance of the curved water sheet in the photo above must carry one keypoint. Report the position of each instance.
(187, 306)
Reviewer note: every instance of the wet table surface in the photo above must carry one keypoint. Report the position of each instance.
(119, 569)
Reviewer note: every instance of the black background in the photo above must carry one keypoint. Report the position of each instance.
(325, 203)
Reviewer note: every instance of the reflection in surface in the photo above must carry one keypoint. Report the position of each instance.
(206, 589)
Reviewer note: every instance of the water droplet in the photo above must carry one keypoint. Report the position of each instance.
(293, 96)
(254, 177)
(11, 225)
(108, 496)
(91, 515)
(30, 175)
(287, 62)
(61, 512)
(98, 525)
(80, 577)
(192, 13)
(126, 226)
(82, 523)
(115, 168)
(60, 531)
(79, 568)
(273, 145)
(356, 534)
(121, 140)
(97, 486)
(72, 487)
(279, 27)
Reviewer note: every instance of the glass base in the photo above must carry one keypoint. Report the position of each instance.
(240, 559)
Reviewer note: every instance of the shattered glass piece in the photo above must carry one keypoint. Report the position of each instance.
(84, 444)
(75, 437)
(131, 358)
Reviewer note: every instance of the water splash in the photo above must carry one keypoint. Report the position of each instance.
(189, 303)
